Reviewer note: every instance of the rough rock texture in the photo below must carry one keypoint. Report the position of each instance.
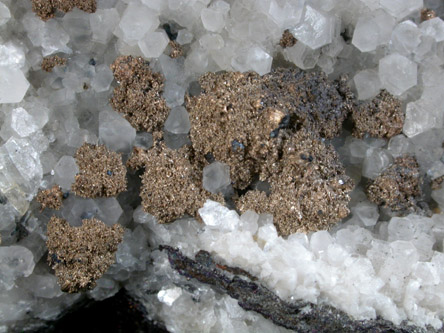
(381, 117)
(312, 100)
(237, 117)
(138, 95)
(51, 198)
(287, 39)
(171, 184)
(309, 188)
(399, 186)
(299, 315)
(46, 9)
(176, 49)
(50, 62)
(81, 255)
(427, 14)
(101, 172)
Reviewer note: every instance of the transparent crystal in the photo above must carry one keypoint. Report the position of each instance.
(373, 30)
(433, 28)
(397, 73)
(401, 8)
(216, 177)
(316, 29)
(178, 121)
(65, 172)
(13, 85)
(367, 83)
(406, 37)
(153, 44)
(116, 132)
(136, 21)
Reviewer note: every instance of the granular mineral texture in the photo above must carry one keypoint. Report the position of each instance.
(138, 94)
(81, 255)
(46, 9)
(101, 172)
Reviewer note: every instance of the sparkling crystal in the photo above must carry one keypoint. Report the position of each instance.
(216, 216)
(178, 121)
(316, 29)
(302, 56)
(169, 296)
(397, 73)
(253, 58)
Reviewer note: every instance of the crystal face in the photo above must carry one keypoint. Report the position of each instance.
(397, 73)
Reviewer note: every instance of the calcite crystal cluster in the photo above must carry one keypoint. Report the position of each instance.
(233, 159)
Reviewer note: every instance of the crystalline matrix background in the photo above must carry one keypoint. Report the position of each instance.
(222, 270)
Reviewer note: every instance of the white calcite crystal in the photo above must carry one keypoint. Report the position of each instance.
(397, 73)
(216, 177)
(178, 121)
(15, 261)
(406, 37)
(103, 22)
(5, 14)
(214, 17)
(169, 296)
(136, 21)
(115, 131)
(253, 58)
(433, 28)
(153, 44)
(65, 172)
(380, 23)
(367, 83)
(401, 8)
(316, 29)
(13, 85)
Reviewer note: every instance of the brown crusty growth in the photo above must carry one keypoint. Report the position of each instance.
(309, 187)
(81, 255)
(138, 97)
(46, 9)
(287, 39)
(51, 198)
(238, 117)
(101, 172)
(223, 121)
(399, 186)
(427, 14)
(50, 62)
(176, 49)
(382, 117)
(312, 100)
(171, 184)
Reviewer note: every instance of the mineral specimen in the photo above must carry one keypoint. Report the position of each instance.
(80, 255)
(101, 172)
(46, 9)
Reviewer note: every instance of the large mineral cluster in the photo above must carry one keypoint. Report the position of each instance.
(209, 157)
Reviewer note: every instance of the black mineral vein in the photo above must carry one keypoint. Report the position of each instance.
(300, 316)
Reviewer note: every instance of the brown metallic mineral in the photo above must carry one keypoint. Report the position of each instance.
(312, 100)
(309, 187)
(399, 186)
(171, 184)
(81, 255)
(101, 172)
(381, 117)
(46, 9)
(50, 62)
(176, 49)
(427, 14)
(238, 117)
(287, 39)
(51, 198)
(138, 97)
